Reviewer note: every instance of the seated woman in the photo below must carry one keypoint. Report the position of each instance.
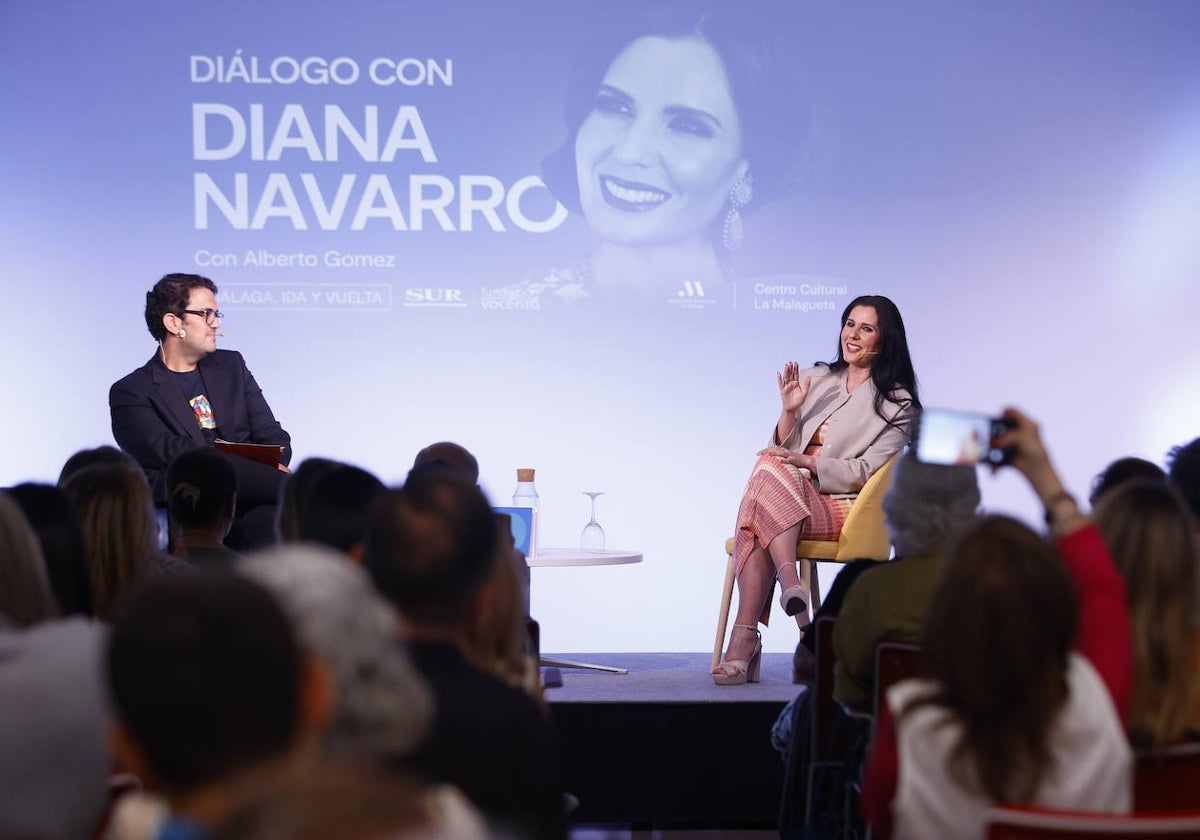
(1010, 713)
(54, 521)
(119, 532)
(840, 422)
(1150, 533)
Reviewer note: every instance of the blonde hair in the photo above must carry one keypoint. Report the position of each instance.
(117, 517)
(495, 641)
(1153, 543)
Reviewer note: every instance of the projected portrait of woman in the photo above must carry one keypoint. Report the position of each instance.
(693, 121)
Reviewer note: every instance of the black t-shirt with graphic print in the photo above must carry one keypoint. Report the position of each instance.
(191, 384)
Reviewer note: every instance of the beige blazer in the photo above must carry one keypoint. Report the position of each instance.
(857, 441)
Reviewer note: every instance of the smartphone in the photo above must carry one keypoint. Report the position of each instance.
(962, 438)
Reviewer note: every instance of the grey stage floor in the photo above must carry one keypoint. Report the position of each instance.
(668, 678)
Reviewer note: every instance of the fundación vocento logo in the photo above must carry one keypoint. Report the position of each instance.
(434, 298)
(510, 298)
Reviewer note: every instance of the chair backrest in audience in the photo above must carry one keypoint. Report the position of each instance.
(825, 708)
(1007, 822)
(894, 662)
(1167, 779)
(836, 739)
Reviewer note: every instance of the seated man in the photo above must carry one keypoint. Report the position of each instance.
(190, 394)
(337, 508)
(925, 507)
(212, 694)
(430, 550)
(452, 454)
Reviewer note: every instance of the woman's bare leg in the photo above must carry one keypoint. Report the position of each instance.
(783, 555)
(754, 584)
(783, 558)
(804, 617)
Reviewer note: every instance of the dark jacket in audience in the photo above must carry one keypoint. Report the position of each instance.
(492, 742)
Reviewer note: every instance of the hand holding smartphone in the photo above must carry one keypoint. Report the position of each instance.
(962, 438)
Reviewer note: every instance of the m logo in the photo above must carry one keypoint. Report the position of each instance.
(691, 295)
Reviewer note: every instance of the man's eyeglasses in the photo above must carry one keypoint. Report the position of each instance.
(209, 315)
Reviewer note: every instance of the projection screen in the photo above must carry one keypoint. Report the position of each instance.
(453, 221)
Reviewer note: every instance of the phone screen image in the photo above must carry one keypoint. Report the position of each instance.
(954, 437)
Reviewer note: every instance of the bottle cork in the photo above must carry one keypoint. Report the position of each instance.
(525, 475)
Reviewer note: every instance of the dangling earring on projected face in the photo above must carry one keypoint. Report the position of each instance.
(739, 196)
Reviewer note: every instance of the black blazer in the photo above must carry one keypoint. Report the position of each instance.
(152, 421)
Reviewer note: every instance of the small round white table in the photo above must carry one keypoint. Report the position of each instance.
(552, 556)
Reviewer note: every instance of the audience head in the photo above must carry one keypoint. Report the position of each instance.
(119, 528)
(382, 707)
(207, 680)
(450, 454)
(927, 505)
(293, 497)
(349, 803)
(56, 525)
(101, 456)
(25, 596)
(171, 295)
(201, 491)
(997, 639)
(1121, 471)
(1155, 547)
(1184, 472)
(431, 547)
(496, 640)
(338, 507)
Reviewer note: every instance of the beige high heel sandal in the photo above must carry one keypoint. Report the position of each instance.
(794, 599)
(741, 671)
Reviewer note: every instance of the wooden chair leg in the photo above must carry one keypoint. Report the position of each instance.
(814, 586)
(723, 614)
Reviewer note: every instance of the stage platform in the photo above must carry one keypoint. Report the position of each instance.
(662, 747)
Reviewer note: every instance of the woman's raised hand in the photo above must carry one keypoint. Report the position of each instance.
(791, 390)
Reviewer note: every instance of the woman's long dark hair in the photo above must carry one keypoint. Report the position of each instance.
(892, 370)
(997, 641)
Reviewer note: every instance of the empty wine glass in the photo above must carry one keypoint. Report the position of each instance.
(593, 534)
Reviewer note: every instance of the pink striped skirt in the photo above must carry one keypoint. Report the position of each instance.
(777, 497)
